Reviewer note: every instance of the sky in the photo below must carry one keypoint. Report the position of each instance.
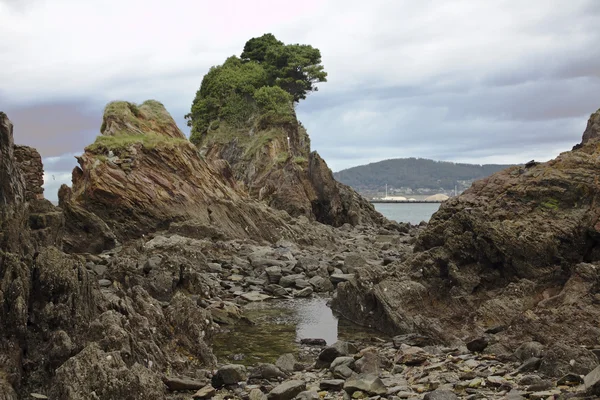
(502, 81)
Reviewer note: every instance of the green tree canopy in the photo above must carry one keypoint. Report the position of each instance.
(268, 78)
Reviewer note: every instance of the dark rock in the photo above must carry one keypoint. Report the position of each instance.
(570, 380)
(338, 278)
(313, 342)
(287, 390)
(540, 386)
(495, 329)
(332, 384)
(477, 345)
(338, 349)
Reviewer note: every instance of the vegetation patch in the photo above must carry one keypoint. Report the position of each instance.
(124, 140)
(550, 204)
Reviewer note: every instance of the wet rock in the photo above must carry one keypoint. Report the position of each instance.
(440, 395)
(229, 374)
(287, 390)
(370, 384)
(332, 384)
(266, 371)
(205, 392)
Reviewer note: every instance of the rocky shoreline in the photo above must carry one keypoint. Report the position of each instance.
(119, 292)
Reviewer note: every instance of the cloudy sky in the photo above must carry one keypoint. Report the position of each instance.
(502, 81)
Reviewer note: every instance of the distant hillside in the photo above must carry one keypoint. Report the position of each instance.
(414, 173)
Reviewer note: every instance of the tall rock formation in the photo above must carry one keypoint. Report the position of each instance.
(274, 162)
(519, 249)
(142, 174)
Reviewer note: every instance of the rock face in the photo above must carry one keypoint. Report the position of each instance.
(276, 165)
(30, 163)
(142, 174)
(507, 251)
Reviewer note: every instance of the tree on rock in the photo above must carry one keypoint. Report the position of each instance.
(260, 87)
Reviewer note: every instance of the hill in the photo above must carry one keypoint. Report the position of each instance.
(414, 173)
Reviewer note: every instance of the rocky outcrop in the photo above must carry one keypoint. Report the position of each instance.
(519, 249)
(275, 164)
(30, 163)
(142, 174)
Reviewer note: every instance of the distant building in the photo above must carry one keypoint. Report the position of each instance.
(437, 197)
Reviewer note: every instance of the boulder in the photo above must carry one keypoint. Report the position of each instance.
(229, 374)
(370, 384)
(287, 390)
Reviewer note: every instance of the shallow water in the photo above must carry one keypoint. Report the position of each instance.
(280, 324)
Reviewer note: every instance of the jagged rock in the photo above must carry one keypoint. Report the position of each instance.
(276, 164)
(287, 390)
(561, 359)
(107, 375)
(29, 162)
(520, 248)
(151, 176)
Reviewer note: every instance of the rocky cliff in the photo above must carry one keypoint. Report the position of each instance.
(518, 252)
(274, 163)
(142, 174)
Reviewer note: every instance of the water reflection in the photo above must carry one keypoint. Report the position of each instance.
(280, 324)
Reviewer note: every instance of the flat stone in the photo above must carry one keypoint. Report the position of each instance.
(177, 384)
(287, 390)
(205, 393)
(332, 384)
(104, 283)
(338, 278)
(255, 296)
(313, 342)
(38, 396)
(412, 339)
(370, 384)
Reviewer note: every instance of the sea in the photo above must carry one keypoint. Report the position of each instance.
(407, 212)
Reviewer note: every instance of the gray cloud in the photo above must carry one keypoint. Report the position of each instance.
(504, 81)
